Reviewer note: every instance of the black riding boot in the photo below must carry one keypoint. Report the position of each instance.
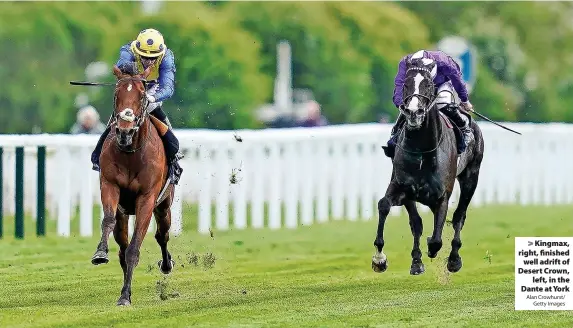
(171, 145)
(97, 151)
(391, 145)
(462, 122)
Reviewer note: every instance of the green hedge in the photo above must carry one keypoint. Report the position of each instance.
(517, 43)
(323, 57)
(345, 52)
(218, 79)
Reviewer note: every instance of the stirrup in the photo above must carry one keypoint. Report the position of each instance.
(178, 156)
(468, 138)
(175, 172)
(95, 162)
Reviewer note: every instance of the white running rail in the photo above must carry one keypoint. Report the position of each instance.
(303, 175)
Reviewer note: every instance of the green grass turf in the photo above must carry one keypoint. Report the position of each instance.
(311, 276)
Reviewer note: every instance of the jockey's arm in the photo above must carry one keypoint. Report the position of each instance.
(166, 78)
(453, 72)
(126, 61)
(399, 81)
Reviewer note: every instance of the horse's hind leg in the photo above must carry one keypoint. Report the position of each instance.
(468, 182)
(120, 234)
(109, 199)
(393, 197)
(163, 219)
(416, 227)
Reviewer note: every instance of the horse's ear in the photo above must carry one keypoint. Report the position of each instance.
(146, 73)
(430, 64)
(117, 72)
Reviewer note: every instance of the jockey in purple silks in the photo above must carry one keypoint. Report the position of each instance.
(448, 79)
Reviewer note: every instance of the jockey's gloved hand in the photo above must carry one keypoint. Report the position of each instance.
(150, 98)
(467, 106)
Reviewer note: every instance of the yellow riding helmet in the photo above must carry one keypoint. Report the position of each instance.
(150, 43)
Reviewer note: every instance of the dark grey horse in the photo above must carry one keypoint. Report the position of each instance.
(425, 168)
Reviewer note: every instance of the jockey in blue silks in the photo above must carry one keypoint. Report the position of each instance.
(149, 49)
(448, 79)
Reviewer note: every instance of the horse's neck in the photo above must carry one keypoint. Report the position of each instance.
(426, 137)
(144, 132)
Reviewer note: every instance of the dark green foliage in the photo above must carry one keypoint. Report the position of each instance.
(225, 52)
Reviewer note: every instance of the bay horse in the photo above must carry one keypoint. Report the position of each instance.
(425, 169)
(133, 180)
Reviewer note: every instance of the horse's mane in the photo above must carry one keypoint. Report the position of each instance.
(129, 68)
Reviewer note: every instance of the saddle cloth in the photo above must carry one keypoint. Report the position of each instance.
(446, 120)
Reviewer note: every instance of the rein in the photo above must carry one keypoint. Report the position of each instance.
(421, 152)
(139, 119)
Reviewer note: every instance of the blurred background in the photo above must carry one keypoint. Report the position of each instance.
(344, 57)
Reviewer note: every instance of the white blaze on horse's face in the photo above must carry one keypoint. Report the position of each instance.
(129, 87)
(414, 101)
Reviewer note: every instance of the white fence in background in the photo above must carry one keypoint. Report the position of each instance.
(303, 175)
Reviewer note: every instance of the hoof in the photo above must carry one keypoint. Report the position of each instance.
(379, 267)
(417, 269)
(123, 302)
(100, 257)
(166, 270)
(433, 248)
(454, 265)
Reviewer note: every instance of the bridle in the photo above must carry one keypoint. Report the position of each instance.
(431, 100)
(144, 102)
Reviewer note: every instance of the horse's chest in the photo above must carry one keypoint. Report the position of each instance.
(123, 179)
(425, 189)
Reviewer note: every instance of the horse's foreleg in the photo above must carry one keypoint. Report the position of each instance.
(163, 219)
(120, 233)
(416, 227)
(468, 183)
(143, 210)
(109, 200)
(440, 211)
(392, 198)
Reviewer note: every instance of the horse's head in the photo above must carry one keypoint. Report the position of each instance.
(419, 91)
(129, 105)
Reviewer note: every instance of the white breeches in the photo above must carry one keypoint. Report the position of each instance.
(446, 95)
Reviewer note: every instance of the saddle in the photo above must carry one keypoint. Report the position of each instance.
(162, 129)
